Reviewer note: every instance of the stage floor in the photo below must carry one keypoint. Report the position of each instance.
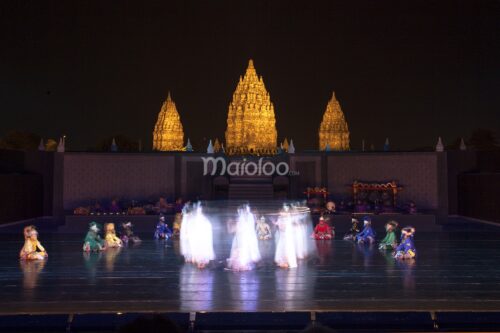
(458, 268)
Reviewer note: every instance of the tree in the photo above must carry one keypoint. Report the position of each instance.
(20, 140)
(483, 139)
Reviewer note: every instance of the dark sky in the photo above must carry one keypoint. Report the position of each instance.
(409, 70)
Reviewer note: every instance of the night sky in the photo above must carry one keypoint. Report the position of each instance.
(407, 70)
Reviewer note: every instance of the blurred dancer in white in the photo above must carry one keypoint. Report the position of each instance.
(286, 255)
(196, 237)
(245, 248)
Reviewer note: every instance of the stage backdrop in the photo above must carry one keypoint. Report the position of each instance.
(89, 176)
(417, 173)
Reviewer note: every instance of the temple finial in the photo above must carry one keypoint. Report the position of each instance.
(169, 97)
(462, 144)
(250, 63)
(440, 145)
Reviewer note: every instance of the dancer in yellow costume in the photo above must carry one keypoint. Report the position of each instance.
(32, 249)
(111, 239)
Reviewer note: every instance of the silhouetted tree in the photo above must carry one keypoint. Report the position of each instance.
(483, 139)
(20, 140)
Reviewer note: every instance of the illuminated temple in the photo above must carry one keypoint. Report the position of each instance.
(168, 134)
(251, 126)
(333, 131)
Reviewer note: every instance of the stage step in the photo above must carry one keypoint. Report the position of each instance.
(250, 191)
(251, 180)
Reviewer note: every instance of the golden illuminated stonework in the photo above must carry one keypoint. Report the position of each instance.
(168, 134)
(251, 126)
(333, 130)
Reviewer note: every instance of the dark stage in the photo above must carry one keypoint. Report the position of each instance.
(458, 268)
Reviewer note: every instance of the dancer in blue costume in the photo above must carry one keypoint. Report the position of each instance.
(367, 235)
(406, 249)
(162, 230)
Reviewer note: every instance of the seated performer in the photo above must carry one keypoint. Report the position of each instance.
(322, 230)
(162, 230)
(361, 207)
(162, 206)
(406, 249)
(114, 208)
(179, 206)
(110, 236)
(342, 206)
(263, 229)
(351, 234)
(367, 235)
(128, 234)
(412, 208)
(32, 249)
(93, 242)
(328, 212)
(389, 241)
(97, 209)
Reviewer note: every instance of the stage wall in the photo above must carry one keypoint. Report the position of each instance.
(87, 176)
(103, 176)
(417, 173)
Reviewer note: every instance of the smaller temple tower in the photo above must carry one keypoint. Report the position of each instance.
(333, 131)
(168, 134)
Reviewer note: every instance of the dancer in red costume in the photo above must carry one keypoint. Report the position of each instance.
(322, 230)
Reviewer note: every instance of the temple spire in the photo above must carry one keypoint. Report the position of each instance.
(168, 134)
(333, 131)
(251, 124)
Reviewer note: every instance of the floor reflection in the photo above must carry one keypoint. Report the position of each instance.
(31, 271)
(244, 289)
(91, 261)
(196, 288)
(294, 287)
(110, 256)
(324, 250)
(407, 268)
(367, 251)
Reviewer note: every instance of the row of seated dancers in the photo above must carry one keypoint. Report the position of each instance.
(404, 250)
(286, 234)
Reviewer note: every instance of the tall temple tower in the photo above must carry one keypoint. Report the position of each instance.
(168, 134)
(251, 126)
(333, 129)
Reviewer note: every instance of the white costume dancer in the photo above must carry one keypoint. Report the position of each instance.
(245, 248)
(299, 222)
(196, 237)
(286, 254)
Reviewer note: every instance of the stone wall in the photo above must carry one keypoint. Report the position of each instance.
(417, 173)
(105, 175)
(102, 176)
